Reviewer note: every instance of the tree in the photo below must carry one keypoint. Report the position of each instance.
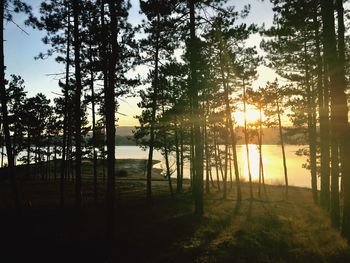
(37, 112)
(109, 93)
(16, 97)
(323, 108)
(19, 6)
(77, 95)
(247, 63)
(256, 98)
(156, 46)
(234, 66)
(56, 20)
(274, 95)
(65, 106)
(292, 54)
(93, 27)
(196, 114)
(339, 109)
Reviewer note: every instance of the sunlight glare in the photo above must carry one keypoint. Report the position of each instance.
(254, 162)
(252, 116)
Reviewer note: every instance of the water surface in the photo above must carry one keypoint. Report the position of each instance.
(272, 161)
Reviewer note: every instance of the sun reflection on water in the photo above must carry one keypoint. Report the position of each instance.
(272, 160)
(254, 161)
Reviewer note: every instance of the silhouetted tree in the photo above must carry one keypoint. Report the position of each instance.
(339, 110)
(6, 14)
(274, 97)
(156, 46)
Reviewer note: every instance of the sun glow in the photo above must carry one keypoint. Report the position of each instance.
(253, 115)
(254, 162)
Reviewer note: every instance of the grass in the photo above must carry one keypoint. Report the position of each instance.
(270, 229)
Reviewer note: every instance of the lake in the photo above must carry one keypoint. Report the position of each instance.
(272, 160)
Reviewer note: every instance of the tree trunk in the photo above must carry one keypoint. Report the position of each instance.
(35, 161)
(192, 171)
(220, 161)
(261, 163)
(105, 77)
(41, 165)
(2, 146)
(153, 118)
(14, 142)
(339, 110)
(182, 158)
(343, 136)
(55, 162)
(77, 46)
(230, 168)
(235, 161)
(246, 140)
(282, 148)
(69, 158)
(178, 164)
(28, 154)
(334, 208)
(322, 88)
(232, 135)
(343, 149)
(216, 160)
(48, 165)
(110, 120)
(5, 121)
(103, 164)
(198, 162)
(227, 117)
(207, 160)
(225, 166)
(94, 142)
(229, 122)
(167, 165)
(311, 127)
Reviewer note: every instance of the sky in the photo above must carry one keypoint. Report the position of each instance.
(21, 48)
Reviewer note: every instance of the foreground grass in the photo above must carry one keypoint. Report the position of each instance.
(266, 229)
(277, 230)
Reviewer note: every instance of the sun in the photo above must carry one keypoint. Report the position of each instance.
(253, 115)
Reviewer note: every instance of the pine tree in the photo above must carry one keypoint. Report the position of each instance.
(5, 14)
(339, 109)
(156, 46)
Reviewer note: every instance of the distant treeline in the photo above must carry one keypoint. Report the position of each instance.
(125, 140)
(125, 136)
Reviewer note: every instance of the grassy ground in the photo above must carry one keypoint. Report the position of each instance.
(266, 229)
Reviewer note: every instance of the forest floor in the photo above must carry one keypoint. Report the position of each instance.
(266, 229)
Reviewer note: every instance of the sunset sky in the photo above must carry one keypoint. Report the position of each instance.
(20, 50)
